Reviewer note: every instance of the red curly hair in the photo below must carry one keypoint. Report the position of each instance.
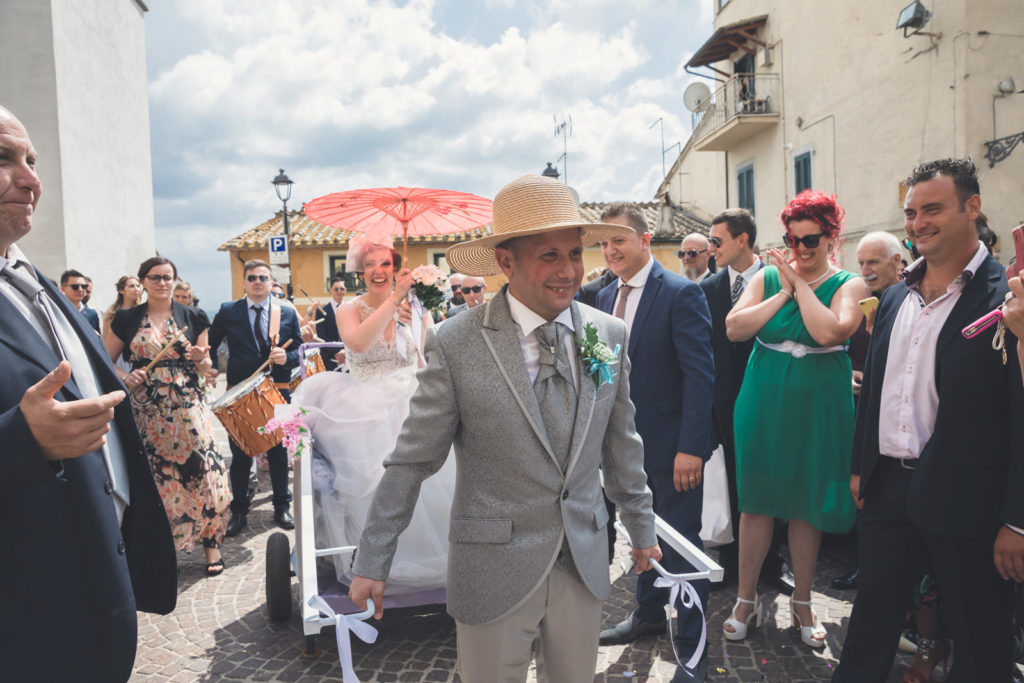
(821, 208)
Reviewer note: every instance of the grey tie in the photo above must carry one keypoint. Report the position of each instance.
(555, 390)
(737, 289)
(620, 305)
(69, 347)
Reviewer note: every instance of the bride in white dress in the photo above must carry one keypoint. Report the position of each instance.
(355, 419)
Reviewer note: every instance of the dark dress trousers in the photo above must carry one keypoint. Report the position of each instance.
(671, 385)
(71, 580)
(232, 323)
(966, 485)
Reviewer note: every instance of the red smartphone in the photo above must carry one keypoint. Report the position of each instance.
(1013, 270)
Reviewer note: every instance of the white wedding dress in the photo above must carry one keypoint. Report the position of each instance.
(355, 419)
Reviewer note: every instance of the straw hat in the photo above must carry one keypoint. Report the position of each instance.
(530, 205)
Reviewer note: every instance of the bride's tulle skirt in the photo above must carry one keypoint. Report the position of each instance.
(355, 425)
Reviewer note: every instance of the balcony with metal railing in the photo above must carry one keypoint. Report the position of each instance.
(744, 105)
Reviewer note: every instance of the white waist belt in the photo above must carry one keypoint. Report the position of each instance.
(798, 350)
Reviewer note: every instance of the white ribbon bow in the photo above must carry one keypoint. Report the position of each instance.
(344, 625)
(688, 598)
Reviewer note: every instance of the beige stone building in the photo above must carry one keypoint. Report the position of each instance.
(832, 96)
(318, 251)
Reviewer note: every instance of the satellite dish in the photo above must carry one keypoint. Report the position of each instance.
(696, 96)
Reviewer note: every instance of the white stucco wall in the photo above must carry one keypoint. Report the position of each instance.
(872, 105)
(75, 74)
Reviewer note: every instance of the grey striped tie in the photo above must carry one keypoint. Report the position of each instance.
(737, 289)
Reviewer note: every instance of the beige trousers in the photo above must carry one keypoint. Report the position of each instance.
(561, 616)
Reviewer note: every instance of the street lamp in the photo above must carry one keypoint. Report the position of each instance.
(283, 187)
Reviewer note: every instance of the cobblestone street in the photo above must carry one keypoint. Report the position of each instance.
(221, 629)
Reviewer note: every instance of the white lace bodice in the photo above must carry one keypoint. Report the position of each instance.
(385, 354)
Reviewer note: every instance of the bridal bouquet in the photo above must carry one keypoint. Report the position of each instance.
(431, 287)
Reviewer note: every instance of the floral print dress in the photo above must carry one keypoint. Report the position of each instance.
(177, 428)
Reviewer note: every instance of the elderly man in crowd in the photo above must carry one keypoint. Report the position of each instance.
(694, 253)
(455, 280)
(85, 539)
(472, 289)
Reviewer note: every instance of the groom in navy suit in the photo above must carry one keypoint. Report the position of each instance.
(672, 387)
(246, 324)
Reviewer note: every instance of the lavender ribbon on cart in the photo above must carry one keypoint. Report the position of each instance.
(344, 626)
(688, 598)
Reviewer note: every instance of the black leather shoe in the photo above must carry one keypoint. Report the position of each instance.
(698, 675)
(284, 519)
(846, 581)
(782, 580)
(630, 629)
(236, 524)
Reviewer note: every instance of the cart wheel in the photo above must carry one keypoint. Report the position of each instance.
(279, 585)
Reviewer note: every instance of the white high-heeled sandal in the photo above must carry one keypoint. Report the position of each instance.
(739, 631)
(813, 635)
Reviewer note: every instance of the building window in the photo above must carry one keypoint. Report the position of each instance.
(745, 187)
(336, 266)
(722, 3)
(802, 172)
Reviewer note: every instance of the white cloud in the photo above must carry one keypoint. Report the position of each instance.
(356, 93)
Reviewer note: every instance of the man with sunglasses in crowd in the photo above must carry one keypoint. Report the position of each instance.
(694, 253)
(473, 289)
(255, 331)
(75, 287)
(732, 238)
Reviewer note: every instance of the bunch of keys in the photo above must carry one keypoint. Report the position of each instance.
(996, 316)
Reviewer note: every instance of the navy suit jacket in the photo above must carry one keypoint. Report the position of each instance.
(671, 382)
(328, 328)
(92, 316)
(71, 580)
(730, 357)
(970, 474)
(232, 323)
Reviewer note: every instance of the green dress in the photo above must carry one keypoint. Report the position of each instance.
(794, 422)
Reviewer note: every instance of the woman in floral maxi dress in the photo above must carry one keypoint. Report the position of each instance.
(170, 409)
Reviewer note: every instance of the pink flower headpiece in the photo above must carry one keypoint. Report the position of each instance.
(361, 244)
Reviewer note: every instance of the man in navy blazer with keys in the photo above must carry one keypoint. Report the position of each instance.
(255, 331)
(85, 540)
(672, 386)
(938, 452)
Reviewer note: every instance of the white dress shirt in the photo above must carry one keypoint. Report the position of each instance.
(526, 322)
(264, 318)
(747, 274)
(910, 398)
(637, 282)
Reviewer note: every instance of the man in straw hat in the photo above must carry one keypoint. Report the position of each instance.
(506, 384)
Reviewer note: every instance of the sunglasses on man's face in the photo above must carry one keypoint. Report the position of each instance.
(261, 278)
(160, 278)
(691, 253)
(78, 287)
(476, 290)
(279, 295)
(716, 242)
(809, 241)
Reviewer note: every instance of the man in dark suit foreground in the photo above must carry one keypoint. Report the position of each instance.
(85, 541)
(671, 385)
(938, 453)
(248, 325)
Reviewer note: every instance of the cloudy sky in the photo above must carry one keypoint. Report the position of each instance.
(347, 94)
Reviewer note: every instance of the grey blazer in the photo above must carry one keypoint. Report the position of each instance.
(512, 501)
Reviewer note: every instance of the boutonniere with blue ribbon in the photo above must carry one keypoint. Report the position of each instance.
(597, 357)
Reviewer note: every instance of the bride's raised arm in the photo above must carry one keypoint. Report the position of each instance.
(359, 335)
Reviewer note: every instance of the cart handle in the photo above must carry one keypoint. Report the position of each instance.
(344, 626)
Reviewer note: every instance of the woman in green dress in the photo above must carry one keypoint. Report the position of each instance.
(794, 412)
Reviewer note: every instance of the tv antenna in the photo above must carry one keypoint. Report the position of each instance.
(664, 149)
(564, 128)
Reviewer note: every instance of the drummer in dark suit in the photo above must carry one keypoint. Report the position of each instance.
(327, 328)
(247, 325)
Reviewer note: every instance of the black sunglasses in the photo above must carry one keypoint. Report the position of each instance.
(715, 242)
(158, 278)
(279, 295)
(477, 289)
(810, 241)
(692, 253)
(78, 287)
(261, 278)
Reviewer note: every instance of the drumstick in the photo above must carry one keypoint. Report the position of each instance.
(163, 351)
(315, 302)
(267, 361)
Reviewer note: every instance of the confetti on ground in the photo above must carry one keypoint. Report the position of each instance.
(719, 670)
(628, 674)
(764, 661)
